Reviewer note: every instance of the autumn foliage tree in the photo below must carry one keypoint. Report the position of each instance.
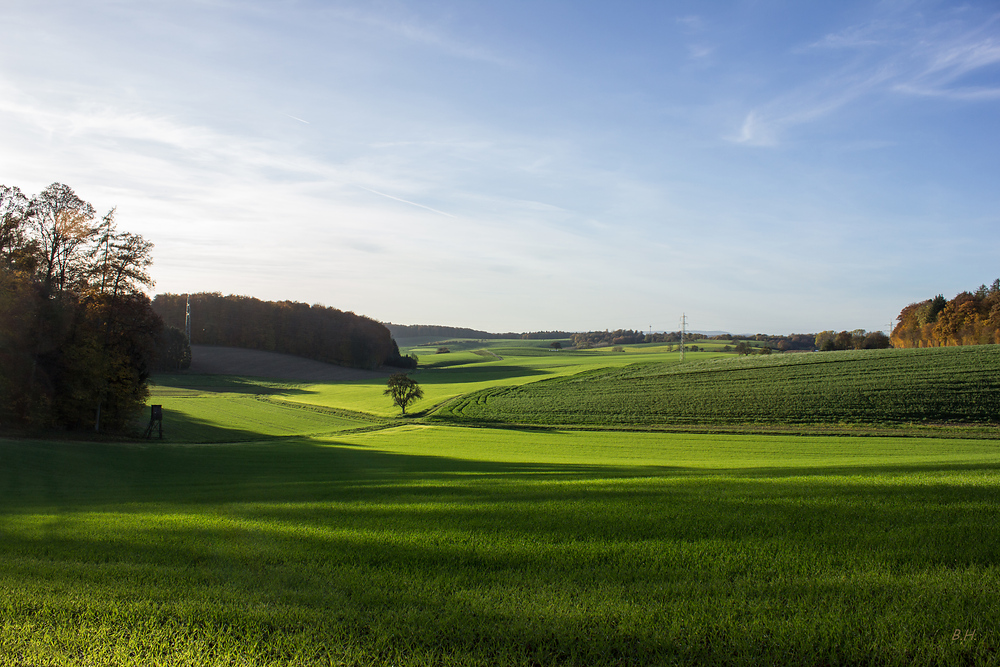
(77, 333)
(971, 318)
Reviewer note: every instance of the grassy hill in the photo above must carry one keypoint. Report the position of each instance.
(958, 384)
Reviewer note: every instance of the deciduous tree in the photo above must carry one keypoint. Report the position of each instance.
(76, 329)
(403, 389)
(13, 206)
(62, 224)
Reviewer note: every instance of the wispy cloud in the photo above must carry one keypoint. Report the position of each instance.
(417, 30)
(941, 66)
(700, 51)
(405, 201)
(763, 126)
(883, 57)
(690, 22)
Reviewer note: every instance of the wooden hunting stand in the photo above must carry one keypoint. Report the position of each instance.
(155, 419)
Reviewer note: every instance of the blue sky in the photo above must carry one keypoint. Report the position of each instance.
(760, 166)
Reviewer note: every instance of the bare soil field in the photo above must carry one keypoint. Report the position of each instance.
(212, 360)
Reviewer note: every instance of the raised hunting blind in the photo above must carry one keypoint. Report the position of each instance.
(155, 421)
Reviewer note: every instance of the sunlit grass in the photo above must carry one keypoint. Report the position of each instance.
(704, 452)
(446, 376)
(441, 376)
(470, 546)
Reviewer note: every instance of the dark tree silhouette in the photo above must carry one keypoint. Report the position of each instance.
(403, 389)
(314, 332)
(77, 332)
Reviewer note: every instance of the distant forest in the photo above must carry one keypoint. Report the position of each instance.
(314, 332)
(632, 337)
(78, 337)
(971, 318)
(825, 340)
(443, 332)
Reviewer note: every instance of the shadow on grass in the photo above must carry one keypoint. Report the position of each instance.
(459, 375)
(420, 557)
(228, 384)
(77, 475)
(180, 428)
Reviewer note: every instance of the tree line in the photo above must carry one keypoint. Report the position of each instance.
(616, 337)
(289, 327)
(971, 318)
(445, 332)
(858, 339)
(78, 336)
(825, 340)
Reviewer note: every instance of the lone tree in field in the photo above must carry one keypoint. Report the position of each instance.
(403, 389)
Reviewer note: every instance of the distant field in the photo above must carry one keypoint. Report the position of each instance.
(873, 386)
(446, 376)
(302, 523)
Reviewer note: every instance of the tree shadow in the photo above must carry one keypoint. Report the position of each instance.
(459, 375)
(228, 384)
(551, 563)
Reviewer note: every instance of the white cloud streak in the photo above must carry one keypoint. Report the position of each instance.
(405, 201)
(885, 57)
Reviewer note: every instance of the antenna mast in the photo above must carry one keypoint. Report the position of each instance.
(684, 320)
(187, 319)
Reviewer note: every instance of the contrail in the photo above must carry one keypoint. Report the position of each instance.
(297, 118)
(411, 203)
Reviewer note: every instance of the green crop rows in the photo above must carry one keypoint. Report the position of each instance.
(877, 386)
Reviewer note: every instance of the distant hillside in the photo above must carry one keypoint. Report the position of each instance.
(434, 331)
(400, 331)
(314, 332)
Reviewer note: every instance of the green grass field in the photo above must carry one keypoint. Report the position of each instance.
(285, 523)
(871, 386)
(446, 376)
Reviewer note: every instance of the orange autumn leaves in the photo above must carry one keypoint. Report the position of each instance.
(971, 318)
